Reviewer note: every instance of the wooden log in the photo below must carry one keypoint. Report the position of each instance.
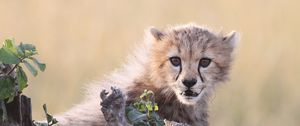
(26, 111)
(19, 111)
(14, 110)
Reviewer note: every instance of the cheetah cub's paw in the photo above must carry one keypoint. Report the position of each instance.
(113, 107)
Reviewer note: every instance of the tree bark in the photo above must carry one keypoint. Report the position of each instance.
(26, 111)
(19, 111)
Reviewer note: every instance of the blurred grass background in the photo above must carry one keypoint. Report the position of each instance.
(82, 40)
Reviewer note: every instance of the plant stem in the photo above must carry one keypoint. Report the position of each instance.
(21, 60)
(12, 69)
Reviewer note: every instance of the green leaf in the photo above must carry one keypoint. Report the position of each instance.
(21, 78)
(134, 115)
(41, 66)
(29, 53)
(32, 70)
(49, 117)
(10, 98)
(45, 108)
(29, 47)
(157, 119)
(7, 89)
(8, 57)
(26, 50)
(54, 121)
(143, 94)
(140, 106)
(156, 107)
(142, 112)
(8, 43)
(20, 50)
(149, 107)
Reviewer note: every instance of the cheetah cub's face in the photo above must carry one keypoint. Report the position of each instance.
(190, 61)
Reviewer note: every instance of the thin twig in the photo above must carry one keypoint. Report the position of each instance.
(21, 60)
(12, 69)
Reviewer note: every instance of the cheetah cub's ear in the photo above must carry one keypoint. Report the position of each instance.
(157, 34)
(231, 38)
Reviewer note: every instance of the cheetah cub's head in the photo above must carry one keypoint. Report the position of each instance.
(190, 60)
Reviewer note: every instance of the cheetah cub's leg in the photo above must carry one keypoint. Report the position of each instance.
(113, 107)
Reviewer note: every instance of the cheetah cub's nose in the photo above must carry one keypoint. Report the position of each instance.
(189, 83)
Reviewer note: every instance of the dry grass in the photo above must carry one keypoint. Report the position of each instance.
(83, 40)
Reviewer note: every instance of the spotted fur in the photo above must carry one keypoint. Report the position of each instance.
(150, 68)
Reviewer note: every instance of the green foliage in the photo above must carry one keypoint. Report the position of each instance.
(21, 78)
(16, 56)
(7, 56)
(12, 85)
(7, 88)
(50, 119)
(41, 66)
(14, 81)
(32, 70)
(142, 112)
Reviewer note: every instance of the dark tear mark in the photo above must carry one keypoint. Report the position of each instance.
(180, 69)
(200, 73)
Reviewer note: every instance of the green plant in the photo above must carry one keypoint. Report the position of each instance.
(50, 119)
(17, 55)
(142, 112)
(14, 80)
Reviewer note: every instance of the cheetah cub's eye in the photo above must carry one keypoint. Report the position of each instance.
(175, 61)
(204, 62)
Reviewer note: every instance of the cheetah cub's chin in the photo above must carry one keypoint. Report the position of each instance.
(189, 96)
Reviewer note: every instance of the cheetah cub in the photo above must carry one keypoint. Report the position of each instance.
(182, 65)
